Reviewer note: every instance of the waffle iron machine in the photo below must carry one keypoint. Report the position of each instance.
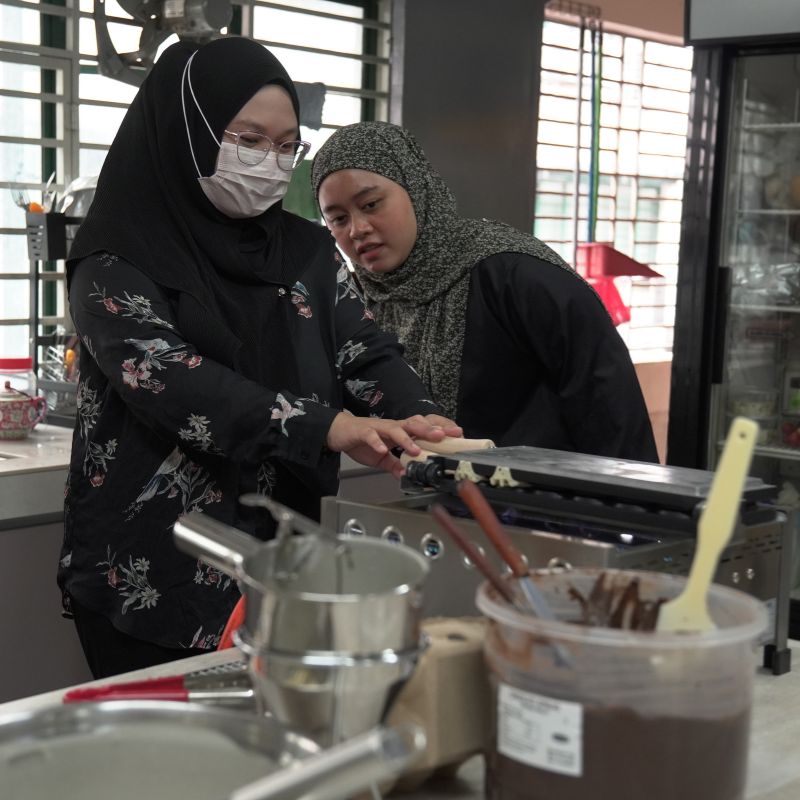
(565, 509)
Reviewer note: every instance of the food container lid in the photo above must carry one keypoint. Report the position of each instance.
(8, 393)
(16, 364)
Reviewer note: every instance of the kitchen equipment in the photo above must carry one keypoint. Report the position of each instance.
(131, 750)
(332, 623)
(340, 771)
(635, 714)
(473, 553)
(585, 511)
(19, 372)
(689, 611)
(448, 696)
(487, 519)
(236, 694)
(19, 412)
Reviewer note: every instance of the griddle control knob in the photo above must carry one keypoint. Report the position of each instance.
(392, 534)
(355, 527)
(432, 546)
(465, 559)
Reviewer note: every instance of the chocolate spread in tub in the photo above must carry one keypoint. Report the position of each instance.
(627, 755)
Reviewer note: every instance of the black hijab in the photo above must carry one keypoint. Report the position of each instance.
(150, 210)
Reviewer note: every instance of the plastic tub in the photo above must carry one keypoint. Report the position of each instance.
(19, 372)
(628, 714)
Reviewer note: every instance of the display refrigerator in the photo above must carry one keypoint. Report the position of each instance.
(737, 322)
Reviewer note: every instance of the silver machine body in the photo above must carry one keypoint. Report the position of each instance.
(576, 510)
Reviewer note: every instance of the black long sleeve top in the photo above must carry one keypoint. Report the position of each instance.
(543, 365)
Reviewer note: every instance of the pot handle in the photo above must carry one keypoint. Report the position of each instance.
(220, 545)
(342, 770)
(40, 404)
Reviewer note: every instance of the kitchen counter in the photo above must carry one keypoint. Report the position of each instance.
(774, 772)
(32, 475)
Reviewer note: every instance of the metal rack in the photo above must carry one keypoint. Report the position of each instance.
(47, 237)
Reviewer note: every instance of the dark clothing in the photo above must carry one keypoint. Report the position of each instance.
(163, 429)
(149, 208)
(543, 365)
(110, 652)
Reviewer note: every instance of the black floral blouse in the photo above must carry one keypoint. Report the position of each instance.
(163, 430)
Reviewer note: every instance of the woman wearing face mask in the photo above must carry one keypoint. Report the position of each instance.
(511, 342)
(219, 349)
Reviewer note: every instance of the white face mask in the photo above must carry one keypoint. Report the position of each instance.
(241, 190)
(237, 190)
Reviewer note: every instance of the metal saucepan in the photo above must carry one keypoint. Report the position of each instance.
(350, 595)
(332, 627)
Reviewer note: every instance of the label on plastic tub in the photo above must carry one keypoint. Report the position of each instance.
(540, 731)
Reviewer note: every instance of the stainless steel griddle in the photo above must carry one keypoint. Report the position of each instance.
(581, 510)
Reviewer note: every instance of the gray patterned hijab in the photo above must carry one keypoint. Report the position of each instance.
(424, 301)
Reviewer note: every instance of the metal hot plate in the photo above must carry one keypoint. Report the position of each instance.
(628, 492)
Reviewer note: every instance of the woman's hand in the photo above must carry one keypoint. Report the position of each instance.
(369, 440)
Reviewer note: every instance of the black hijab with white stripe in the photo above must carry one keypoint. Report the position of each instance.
(424, 301)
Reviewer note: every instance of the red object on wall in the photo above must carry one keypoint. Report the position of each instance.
(611, 298)
(601, 260)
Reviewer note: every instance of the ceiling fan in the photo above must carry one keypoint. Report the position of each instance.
(196, 21)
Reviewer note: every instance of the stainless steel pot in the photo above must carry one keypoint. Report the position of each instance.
(332, 625)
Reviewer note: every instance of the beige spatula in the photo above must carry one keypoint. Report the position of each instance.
(689, 610)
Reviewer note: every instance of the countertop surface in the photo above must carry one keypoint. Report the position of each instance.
(46, 447)
(774, 770)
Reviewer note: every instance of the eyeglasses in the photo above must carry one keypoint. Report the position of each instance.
(252, 149)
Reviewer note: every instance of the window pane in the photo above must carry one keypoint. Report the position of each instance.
(296, 28)
(14, 251)
(309, 67)
(559, 83)
(98, 124)
(667, 78)
(15, 298)
(20, 117)
(556, 133)
(21, 162)
(553, 205)
(665, 122)
(98, 87)
(612, 44)
(14, 341)
(341, 109)
(642, 153)
(662, 144)
(342, 9)
(661, 165)
(20, 25)
(565, 35)
(558, 108)
(560, 60)
(668, 55)
(665, 100)
(125, 38)
(550, 157)
(20, 77)
(612, 69)
(91, 161)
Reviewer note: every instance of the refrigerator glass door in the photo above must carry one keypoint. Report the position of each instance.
(760, 244)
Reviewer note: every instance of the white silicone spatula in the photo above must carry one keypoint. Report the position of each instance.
(689, 610)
